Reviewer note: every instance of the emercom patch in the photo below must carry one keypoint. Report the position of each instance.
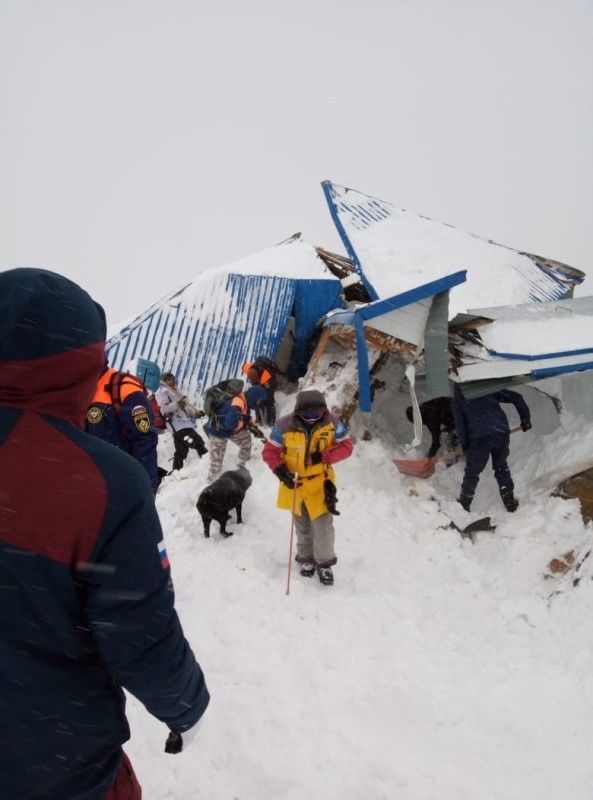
(94, 415)
(141, 419)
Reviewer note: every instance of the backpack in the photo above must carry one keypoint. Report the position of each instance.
(118, 379)
(266, 363)
(219, 394)
(149, 373)
(158, 420)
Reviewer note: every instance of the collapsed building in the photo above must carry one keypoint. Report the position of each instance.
(413, 305)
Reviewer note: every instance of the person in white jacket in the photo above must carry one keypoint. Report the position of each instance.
(181, 416)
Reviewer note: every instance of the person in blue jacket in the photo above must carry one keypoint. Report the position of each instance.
(119, 413)
(86, 599)
(483, 431)
(233, 422)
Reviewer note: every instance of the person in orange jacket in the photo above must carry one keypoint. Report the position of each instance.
(263, 372)
(120, 413)
(232, 421)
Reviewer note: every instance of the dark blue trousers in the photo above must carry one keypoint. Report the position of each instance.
(266, 414)
(478, 453)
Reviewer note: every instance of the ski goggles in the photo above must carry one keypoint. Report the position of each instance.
(311, 414)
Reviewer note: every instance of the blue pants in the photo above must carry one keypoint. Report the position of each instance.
(478, 453)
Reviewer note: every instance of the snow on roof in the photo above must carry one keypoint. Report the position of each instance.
(293, 258)
(398, 250)
(531, 341)
(204, 331)
(539, 330)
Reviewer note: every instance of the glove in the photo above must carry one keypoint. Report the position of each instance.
(178, 741)
(330, 496)
(285, 476)
(525, 426)
(314, 458)
(255, 431)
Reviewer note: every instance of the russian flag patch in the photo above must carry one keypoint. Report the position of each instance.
(163, 555)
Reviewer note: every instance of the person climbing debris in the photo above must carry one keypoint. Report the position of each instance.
(483, 431)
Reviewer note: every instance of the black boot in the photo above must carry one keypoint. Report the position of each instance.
(326, 576)
(307, 569)
(510, 501)
(465, 501)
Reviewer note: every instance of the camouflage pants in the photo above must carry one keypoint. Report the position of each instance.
(218, 449)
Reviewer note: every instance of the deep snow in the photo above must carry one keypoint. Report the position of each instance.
(433, 668)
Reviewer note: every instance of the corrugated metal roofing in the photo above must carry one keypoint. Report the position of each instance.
(205, 331)
(395, 250)
(569, 307)
(403, 316)
(527, 342)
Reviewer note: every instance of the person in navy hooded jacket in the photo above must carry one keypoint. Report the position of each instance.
(119, 413)
(483, 431)
(86, 600)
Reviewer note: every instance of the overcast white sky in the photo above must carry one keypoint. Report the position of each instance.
(142, 141)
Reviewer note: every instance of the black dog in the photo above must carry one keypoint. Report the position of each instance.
(222, 495)
(436, 415)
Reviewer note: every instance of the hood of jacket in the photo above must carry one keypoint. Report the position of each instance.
(309, 400)
(52, 344)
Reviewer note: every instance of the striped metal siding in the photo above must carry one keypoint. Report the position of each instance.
(339, 215)
(358, 215)
(354, 211)
(206, 331)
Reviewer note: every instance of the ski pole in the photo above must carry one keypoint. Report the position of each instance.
(292, 524)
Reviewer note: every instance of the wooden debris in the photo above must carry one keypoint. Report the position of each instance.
(346, 336)
(316, 357)
(580, 486)
(559, 566)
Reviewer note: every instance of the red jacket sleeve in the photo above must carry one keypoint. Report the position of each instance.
(337, 452)
(272, 454)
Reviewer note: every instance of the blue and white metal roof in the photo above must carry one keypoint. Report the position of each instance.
(406, 316)
(402, 316)
(396, 250)
(206, 330)
(531, 341)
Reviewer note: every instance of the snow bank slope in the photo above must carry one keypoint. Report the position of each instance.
(434, 668)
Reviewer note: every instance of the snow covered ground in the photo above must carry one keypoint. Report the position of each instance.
(433, 668)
